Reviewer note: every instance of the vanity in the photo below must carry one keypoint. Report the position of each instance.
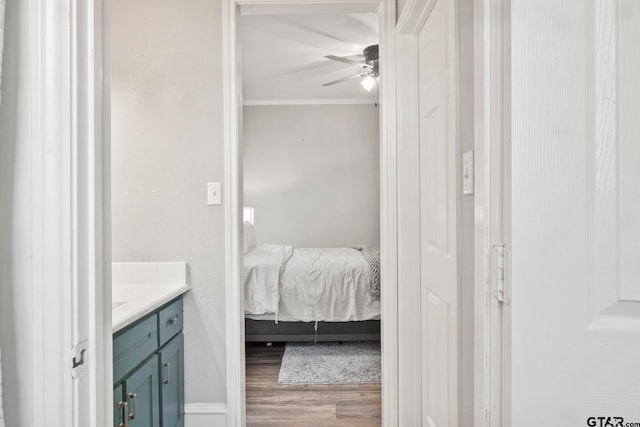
(148, 344)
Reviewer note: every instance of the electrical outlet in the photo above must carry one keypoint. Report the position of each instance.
(214, 193)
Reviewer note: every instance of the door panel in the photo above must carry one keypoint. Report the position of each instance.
(436, 363)
(576, 212)
(615, 155)
(629, 150)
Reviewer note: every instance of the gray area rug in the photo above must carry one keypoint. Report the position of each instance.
(331, 363)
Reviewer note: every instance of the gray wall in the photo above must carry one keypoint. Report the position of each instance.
(312, 174)
(16, 305)
(166, 144)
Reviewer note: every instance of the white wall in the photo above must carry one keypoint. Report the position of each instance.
(312, 174)
(166, 144)
(16, 306)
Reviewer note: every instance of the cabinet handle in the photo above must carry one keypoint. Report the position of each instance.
(173, 320)
(166, 367)
(133, 396)
(125, 413)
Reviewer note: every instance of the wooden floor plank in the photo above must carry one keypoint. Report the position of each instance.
(304, 405)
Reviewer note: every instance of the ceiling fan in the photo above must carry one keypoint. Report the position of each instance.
(370, 66)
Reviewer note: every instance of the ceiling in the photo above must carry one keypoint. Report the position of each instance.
(283, 57)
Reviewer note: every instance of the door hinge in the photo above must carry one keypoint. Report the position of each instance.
(499, 273)
(79, 359)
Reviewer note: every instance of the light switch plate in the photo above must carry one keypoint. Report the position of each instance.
(214, 193)
(467, 173)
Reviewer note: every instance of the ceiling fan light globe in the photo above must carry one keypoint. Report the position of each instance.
(368, 83)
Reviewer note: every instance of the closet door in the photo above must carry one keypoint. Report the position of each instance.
(576, 213)
(438, 158)
(428, 216)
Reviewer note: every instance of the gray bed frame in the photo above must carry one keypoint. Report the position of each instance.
(269, 331)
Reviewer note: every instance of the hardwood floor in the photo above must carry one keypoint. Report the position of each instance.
(273, 404)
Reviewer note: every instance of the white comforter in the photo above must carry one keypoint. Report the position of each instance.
(262, 268)
(315, 284)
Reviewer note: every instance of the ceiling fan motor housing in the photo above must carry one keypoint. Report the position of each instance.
(370, 54)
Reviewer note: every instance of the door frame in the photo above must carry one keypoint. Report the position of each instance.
(232, 107)
(492, 147)
(69, 216)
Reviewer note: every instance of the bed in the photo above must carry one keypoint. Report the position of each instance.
(310, 294)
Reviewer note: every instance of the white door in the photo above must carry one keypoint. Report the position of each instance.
(576, 213)
(428, 201)
(437, 220)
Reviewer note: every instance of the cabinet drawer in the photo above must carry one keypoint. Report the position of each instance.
(170, 321)
(134, 345)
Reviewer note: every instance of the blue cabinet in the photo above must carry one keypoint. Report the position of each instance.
(172, 391)
(148, 370)
(143, 396)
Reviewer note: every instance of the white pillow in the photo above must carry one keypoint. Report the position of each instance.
(249, 237)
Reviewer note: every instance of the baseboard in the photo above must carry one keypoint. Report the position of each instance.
(205, 415)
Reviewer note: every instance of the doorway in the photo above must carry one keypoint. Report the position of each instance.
(233, 188)
(311, 204)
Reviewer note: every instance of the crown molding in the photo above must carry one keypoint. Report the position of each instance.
(311, 101)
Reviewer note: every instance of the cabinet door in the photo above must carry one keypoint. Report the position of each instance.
(119, 410)
(172, 377)
(142, 394)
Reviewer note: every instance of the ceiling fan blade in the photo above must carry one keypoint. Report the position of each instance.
(348, 61)
(345, 79)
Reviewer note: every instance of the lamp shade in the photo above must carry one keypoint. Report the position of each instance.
(247, 214)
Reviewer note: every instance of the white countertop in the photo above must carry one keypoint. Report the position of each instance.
(140, 288)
